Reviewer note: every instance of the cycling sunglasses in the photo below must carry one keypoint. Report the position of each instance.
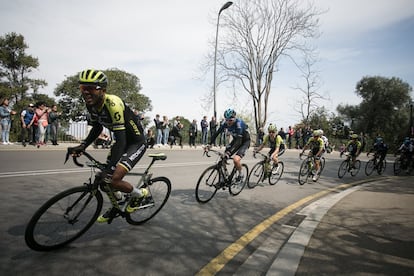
(89, 88)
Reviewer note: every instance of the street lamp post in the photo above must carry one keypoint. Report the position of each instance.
(225, 6)
(411, 133)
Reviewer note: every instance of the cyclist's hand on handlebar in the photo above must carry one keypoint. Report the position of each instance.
(77, 151)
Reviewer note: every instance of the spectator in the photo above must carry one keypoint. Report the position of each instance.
(158, 127)
(192, 133)
(204, 130)
(260, 136)
(5, 119)
(282, 134)
(213, 129)
(41, 113)
(150, 139)
(165, 130)
(54, 124)
(290, 134)
(175, 133)
(27, 117)
(223, 135)
(298, 136)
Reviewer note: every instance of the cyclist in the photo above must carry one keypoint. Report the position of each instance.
(325, 142)
(111, 112)
(240, 142)
(407, 149)
(275, 142)
(353, 147)
(315, 143)
(379, 148)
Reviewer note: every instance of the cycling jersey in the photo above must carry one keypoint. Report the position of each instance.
(353, 147)
(240, 134)
(274, 143)
(315, 144)
(127, 129)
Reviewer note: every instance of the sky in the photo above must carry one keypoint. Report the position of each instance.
(165, 42)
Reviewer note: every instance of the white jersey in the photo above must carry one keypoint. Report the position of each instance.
(325, 141)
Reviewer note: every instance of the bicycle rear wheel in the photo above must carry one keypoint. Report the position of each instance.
(63, 218)
(207, 184)
(369, 167)
(304, 171)
(159, 192)
(381, 167)
(357, 167)
(343, 168)
(256, 175)
(276, 173)
(237, 186)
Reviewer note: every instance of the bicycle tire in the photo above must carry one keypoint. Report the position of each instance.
(397, 166)
(207, 184)
(369, 167)
(304, 172)
(256, 175)
(159, 190)
(275, 177)
(50, 227)
(236, 188)
(343, 168)
(357, 167)
(323, 161)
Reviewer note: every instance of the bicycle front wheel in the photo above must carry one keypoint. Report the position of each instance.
(397, 166)
(256, 175)
(304, 171)
(63, 218)
(237, 186)
(369, 167)
(159, 192)
(343, 168)
(207, 184)
(276, 173)
(357, 167)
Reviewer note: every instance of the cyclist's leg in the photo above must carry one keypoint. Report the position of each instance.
(241, 151)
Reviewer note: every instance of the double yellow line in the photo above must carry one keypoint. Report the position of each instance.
(216, 264)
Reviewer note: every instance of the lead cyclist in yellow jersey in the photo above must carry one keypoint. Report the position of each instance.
(275, 142)
(111, 112)
(316, 145)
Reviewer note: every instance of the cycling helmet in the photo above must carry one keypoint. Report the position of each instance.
(354, 136)
(316, 133)
(272, 128)
(91, 76)
(321, 132)
(378, 140)
(229, 113)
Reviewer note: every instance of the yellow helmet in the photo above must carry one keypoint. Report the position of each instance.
(272, 128)
(91, 76)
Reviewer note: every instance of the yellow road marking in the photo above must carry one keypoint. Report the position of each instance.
(216, 264)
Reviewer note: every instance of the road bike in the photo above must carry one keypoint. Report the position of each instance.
(69, 214)
(218, 177)
(346, 166)
(403, 163)
(265, 169)
(375, 164)
(307, 168)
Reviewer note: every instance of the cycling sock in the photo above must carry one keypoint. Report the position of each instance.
(136, 192)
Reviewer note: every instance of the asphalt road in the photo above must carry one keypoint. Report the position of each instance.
(183, 239)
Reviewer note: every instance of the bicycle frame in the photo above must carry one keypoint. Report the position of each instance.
(221, 165)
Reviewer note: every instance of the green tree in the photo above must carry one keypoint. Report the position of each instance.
(120, 83)
(15, 68)
(384, 108)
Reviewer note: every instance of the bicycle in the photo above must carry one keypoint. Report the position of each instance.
(346, 166)
(306, 168)
(69, 214)
(403, 163)
(217, 177)
(375, 164)
(263, 169)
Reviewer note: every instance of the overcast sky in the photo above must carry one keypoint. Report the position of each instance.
(164, 42)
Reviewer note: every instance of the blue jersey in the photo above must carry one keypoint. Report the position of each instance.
(238, 130)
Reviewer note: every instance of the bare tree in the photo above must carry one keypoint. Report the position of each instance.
(308, 104)
(257, 34)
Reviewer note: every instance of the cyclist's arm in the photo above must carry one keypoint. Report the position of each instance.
(118, 148)
(321, 147)
(93, 134)
(261, 146)
(216, 134)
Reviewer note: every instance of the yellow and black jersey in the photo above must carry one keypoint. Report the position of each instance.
(116, 116)
(315, 143)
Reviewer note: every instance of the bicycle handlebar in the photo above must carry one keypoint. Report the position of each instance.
(87, 155)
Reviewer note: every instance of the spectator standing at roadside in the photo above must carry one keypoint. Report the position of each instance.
(282, 134)
(54, 124)
(192, 133)
(213, 128)
(150, 139)
(204, 130)
(290, 134)
(298, 136)
(223, 135)
(5, 119)
(165, 130)
(158, 124)
(41, 113)
(27, 117)
(260, 136)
